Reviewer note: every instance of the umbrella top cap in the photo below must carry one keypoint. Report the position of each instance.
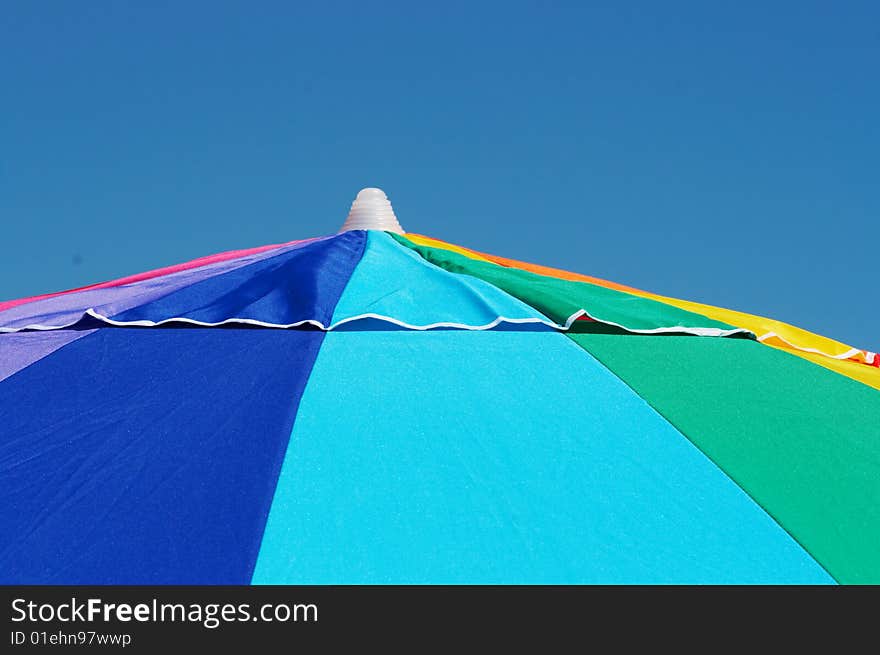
(371, 210)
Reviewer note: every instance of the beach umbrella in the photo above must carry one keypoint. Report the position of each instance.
(382, 407)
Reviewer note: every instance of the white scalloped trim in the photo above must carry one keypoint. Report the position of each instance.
(699, 331)
(852, 352)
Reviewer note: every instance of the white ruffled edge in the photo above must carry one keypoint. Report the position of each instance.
(852, 352)
(699, 331)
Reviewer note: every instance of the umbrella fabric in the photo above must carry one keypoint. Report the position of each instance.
(371, 408)
(821, 350)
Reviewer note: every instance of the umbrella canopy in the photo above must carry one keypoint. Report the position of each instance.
(380, 407)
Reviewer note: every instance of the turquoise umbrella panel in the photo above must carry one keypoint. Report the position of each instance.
(499, 456)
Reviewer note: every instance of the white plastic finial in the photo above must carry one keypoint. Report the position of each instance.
(371, 210)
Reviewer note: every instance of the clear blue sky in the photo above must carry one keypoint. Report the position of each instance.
(726, 153)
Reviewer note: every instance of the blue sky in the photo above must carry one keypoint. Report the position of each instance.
(726, 154)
